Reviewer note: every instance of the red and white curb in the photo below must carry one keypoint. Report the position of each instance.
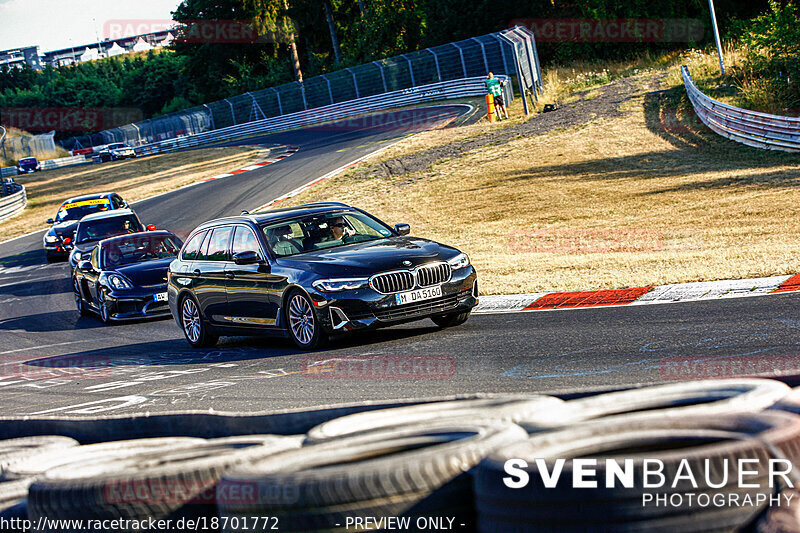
(290, 150)
(680, 292)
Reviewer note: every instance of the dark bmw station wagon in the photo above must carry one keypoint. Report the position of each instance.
(313, 271)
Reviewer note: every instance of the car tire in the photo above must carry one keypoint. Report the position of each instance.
(450, 320)
(194, 327)
(548, 410)
(13, 450)
(302, 324)
(76, 290)
(105, 316)
(418, 470)
(696, 440)
(98, 489)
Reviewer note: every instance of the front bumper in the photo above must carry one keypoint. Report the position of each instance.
(57, 248)
(137, 304)
(365, 308)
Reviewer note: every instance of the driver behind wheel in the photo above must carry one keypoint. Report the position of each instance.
(339, 230)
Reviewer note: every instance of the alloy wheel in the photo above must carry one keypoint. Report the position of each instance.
(190, 318)
(103, 307)
(301, 319)
(78, 298)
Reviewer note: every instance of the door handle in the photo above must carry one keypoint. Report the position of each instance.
(197, 272)
(230, 275)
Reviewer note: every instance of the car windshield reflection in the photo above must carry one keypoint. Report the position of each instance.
(138, 249)
(319, 232)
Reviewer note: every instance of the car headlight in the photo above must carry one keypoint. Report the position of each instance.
(459, 261)
(118, 282)
(334, 285)
(77, 256)
(50, 239)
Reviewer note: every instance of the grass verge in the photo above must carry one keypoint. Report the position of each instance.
(134, 179)
(646, 198)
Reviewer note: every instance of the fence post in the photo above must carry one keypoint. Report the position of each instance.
(355, 81)
(330, 91)
(233, 113)
(383, 76)
(211, 115)
(519, 72)
(436, 60)
(278, 95)
(410, 70)
(461, 53)
(256, 108)
(531, 66)
(303, 93)
(501, 42)
(483, 49)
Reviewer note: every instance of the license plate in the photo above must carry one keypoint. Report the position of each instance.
(160, 297)
(418, 295)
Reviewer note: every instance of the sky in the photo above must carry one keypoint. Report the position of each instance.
(55, 24)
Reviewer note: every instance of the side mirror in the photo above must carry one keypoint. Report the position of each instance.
(246, 258)
(151, 227)
(85, 266)
(50, 221)
(402, 229)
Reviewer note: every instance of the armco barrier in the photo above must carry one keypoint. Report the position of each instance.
(13, 203)
(8, 171)
(759, 130)
(460, 88)
(63, 162)
(511, 52)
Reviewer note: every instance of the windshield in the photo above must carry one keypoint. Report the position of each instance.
(96, 230)
(28, 161)
(114, 146)
(328, 230)
(78, 210)
(137, 249)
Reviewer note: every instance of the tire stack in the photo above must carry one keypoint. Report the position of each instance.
(440, 464)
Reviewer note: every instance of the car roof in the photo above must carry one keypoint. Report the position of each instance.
(107, 214)
(137, 234)
(94, 196)
(274, 215)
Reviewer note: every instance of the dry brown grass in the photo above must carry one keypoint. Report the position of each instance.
(134, 179)
(644, 199)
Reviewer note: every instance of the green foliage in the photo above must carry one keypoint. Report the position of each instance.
(193, 73)
(771, 80)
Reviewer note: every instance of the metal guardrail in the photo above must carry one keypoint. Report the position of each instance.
(8, 171)
(14, 203)
(759, 130)
(63, 162)
(461, 88)
(510, 52)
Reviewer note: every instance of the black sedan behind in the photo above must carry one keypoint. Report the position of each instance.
(126, 276)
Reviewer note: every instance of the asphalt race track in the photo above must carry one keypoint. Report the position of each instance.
(53, 362)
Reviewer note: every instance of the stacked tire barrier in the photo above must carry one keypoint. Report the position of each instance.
(13, 204)
(438, 463)
(759, 130)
